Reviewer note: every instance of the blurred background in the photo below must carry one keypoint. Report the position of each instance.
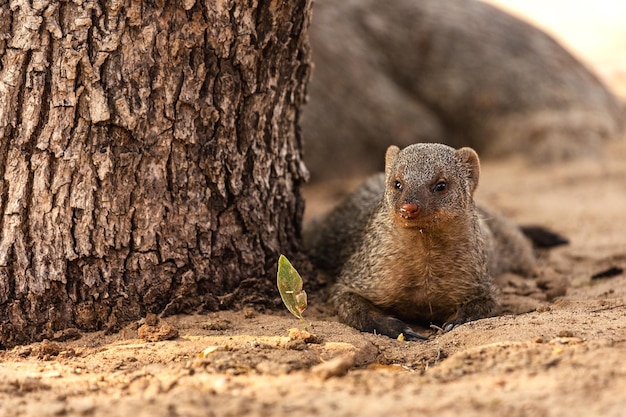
(593, 30)
(542, 80)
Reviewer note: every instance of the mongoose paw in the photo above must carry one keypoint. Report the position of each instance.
(393, 327)
(412, 336)
(361, 314)
(476, 309)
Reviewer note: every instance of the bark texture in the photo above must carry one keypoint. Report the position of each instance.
(150, 159)
(460, 72)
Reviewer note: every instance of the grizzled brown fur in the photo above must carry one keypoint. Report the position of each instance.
(410, 246)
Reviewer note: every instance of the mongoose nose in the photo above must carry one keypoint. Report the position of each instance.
(409, 210)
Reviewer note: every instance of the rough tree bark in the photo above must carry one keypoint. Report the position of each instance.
(149, 157)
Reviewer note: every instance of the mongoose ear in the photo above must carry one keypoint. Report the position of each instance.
(390, 158)
(470, 157)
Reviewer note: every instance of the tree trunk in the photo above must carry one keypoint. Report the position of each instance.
(150, 159)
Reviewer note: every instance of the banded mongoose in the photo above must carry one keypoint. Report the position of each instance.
(410, 245)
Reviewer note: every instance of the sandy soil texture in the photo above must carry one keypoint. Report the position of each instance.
(563, 358)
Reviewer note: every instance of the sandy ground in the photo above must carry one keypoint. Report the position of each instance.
(564, 358)
(558, 355)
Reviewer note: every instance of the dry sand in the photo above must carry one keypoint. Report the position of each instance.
(565, 358)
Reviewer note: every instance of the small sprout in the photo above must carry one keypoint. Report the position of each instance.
(289, 284)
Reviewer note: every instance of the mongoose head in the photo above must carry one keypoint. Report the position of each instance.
(430, 184)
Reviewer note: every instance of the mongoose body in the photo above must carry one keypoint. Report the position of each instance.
(411, 246)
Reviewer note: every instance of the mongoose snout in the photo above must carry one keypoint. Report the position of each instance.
(409, 210)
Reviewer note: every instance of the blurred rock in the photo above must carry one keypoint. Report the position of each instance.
(460, 72)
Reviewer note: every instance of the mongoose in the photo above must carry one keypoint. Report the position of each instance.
(411, 246)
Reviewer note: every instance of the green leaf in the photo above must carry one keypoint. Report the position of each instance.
(289, 284)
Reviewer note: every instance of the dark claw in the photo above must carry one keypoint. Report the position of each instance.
(412, 336)
(452, 324)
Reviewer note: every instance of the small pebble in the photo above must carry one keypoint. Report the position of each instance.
(338, 366)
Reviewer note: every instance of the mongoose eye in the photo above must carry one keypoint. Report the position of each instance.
(440, 186)
(397, 185)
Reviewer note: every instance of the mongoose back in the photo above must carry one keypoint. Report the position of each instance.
(410, 246)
